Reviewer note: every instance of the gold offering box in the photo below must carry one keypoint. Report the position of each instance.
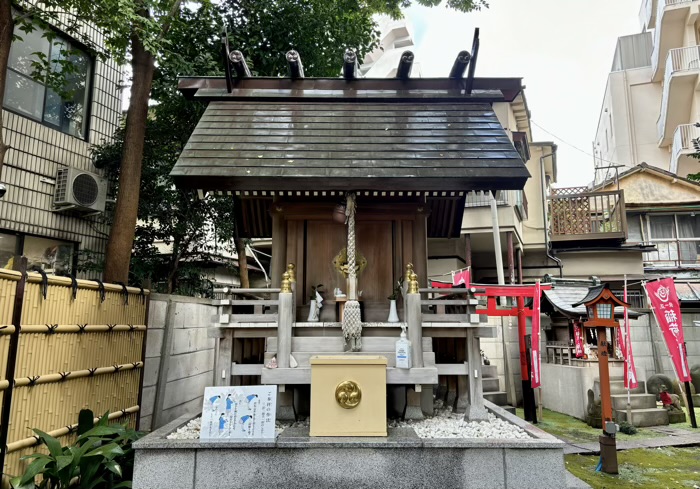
(348, 395)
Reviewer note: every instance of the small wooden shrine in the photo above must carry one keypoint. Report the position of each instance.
(325, 165)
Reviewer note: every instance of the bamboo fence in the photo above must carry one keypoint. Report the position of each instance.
(79, 345)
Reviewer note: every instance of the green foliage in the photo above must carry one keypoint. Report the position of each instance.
(393, 7)
(314, 289)
(397, 290)
(627, 428)
(101, 458)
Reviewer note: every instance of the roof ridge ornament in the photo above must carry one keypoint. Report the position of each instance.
(296, 68)
(405, 64)
(234, 63)
(350, 65)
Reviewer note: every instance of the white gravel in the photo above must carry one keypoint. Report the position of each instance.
(444, 424)
(191, 430)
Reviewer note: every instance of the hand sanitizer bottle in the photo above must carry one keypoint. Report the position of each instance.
(403, 350)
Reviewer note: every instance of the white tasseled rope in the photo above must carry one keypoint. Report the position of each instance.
(352, 318)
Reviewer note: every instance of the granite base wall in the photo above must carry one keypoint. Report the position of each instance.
(401, 460)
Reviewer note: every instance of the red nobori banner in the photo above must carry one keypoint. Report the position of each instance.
(578, 339)
(535, 348)
(667, 310)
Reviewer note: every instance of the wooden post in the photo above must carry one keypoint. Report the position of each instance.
(468, 251)
(224, 358)
(608, 454)
(164, 363)
(475, 411)
(604, 373)
(284, 323)
(20, 264)
(420, 245)
(279, 244)
(414, 320)
(511, 257)
(291, 270)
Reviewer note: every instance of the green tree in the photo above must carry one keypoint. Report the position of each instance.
(134, 31)
(142, 32)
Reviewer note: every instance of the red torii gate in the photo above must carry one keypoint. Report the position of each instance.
(520, 292)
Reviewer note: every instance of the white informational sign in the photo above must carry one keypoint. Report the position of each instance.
(240, 412)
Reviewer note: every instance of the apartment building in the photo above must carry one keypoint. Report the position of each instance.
(396, 38)
(651, 104)
(55, 196)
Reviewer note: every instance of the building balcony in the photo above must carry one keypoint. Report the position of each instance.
(577, 214)
(669, 29)
(683, 144)
(680, 81)
(511, 198)
(647, 13)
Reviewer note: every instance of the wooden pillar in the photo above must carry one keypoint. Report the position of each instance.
(284, 323)
(475, 411)
(420, 245)
(468, 251)
(511, 257)
(224, 358)
(278, 262)
(519, 259)
(605, 400)
(414, 320)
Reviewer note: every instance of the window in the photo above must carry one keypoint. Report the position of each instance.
(32, 98)
(676, 237)
(51, 255)
(8, 249)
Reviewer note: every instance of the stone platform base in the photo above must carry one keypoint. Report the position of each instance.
(676, 417)
(402, 459)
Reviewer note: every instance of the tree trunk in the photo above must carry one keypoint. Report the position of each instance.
(121, 236)
(242, 263)
(6, 29)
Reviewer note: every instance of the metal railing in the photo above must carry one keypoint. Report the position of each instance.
(677, 61)
(660, 7)
(683, 143)
(585, 215)
(673, 253)
(513, 198)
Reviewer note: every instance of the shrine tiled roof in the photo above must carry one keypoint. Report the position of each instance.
(338, 144)
(561, 299)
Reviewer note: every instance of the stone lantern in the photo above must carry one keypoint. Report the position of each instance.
(600, 303)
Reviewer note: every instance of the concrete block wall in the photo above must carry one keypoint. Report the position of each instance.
(179, 358)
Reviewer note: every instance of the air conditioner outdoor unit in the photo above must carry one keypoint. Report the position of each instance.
(78, 190)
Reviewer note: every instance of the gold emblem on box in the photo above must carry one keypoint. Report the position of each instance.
(348, 394)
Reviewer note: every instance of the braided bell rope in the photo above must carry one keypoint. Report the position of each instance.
(352, 318)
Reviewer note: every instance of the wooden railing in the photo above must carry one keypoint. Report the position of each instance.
(577, 214)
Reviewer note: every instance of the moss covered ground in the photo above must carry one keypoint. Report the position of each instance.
(574, 430)
(668, 467)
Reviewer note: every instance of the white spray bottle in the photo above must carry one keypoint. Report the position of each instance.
(403, 350)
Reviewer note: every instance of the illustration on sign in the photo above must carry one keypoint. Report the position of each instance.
(241, 412)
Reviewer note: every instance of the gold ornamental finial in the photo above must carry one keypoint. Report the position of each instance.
(286, 284)
(413, 283)
(409, 271)
(291, 270)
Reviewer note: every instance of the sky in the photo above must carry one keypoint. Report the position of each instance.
(562, 51)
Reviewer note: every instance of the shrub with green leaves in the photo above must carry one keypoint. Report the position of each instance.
(627, 428)
(101, 458)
